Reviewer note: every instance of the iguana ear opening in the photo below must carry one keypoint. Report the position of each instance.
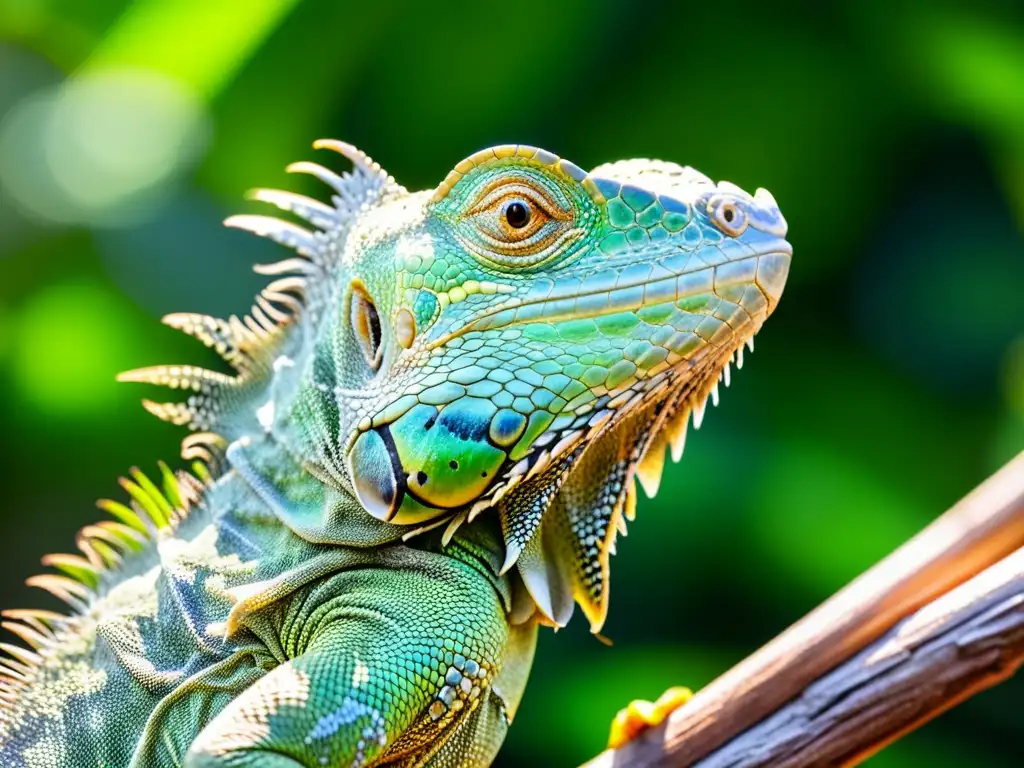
(365, 323)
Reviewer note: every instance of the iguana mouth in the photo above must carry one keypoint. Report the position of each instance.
(673, 394)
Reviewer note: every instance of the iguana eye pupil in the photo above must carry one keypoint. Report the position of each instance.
(517, 214)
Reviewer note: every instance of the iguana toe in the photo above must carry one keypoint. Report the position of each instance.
(639, 715)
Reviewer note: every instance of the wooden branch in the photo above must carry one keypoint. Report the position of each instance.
(981, 530)
(965, 641)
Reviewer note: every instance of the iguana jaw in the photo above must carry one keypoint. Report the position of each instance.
(562, 550)
(677, 373)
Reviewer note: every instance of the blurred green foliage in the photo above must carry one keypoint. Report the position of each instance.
(890, 381)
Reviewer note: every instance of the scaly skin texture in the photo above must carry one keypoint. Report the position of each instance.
(440, 408)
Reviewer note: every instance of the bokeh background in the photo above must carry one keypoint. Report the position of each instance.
(889, 382)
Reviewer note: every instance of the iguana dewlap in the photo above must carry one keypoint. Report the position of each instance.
(429, 444)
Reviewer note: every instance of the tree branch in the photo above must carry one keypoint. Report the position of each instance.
(963, 640)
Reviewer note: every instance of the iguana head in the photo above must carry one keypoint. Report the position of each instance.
(522, 341)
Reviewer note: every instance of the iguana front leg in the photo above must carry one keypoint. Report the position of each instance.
(414, 666)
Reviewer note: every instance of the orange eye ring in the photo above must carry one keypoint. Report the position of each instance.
(511, 213)
(517, 220)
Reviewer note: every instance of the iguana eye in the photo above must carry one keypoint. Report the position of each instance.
(366, 326)
(510, 215)
(517, 221)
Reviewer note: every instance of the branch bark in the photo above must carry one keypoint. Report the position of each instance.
(967, 634)
(963, 642)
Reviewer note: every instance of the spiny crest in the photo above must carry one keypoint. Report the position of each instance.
(519, 521)
(669, 431)
(561, 527)
(301, 289)
(102, 547)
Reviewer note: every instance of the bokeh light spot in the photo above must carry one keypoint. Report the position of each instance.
(66, 346)
(101, 149)
(21, 73)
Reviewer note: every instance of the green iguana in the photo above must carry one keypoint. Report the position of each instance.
(428, 447)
